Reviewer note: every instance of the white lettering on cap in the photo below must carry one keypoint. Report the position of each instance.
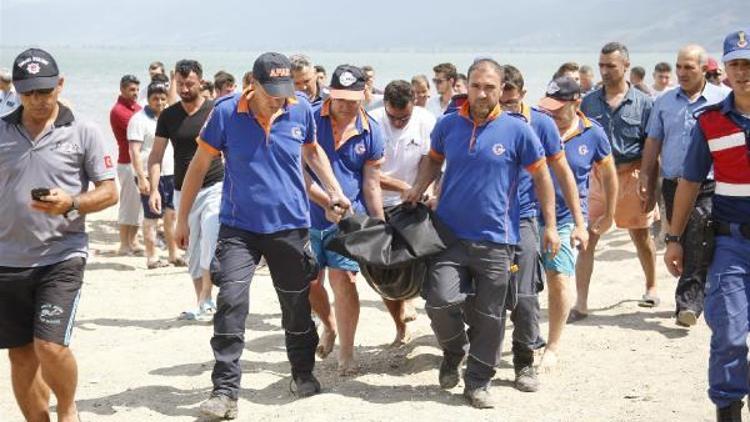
(552, 88)
(347, 79)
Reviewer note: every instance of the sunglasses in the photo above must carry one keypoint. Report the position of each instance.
(47, 91)
(712, 74)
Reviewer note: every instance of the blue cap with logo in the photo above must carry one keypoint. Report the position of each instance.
(737, 46)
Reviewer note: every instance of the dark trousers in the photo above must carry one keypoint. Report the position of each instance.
(468, 285)
(690, 287)
(292, 266)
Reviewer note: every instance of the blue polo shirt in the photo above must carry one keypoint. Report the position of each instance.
(264, 191)
(479, 193)
(546, 130)
(672, 120)
(358, 148)
(584, 148)
(698, 163)
(625, 125)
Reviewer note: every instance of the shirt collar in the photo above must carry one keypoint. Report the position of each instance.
(64, 116)
(526, 111)
(494, 114)
(583, 125)
(629, 94)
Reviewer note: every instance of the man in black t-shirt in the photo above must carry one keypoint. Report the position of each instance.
(180, 124)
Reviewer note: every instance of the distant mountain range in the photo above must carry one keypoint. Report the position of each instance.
(439, 25)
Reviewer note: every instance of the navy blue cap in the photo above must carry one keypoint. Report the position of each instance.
(737, 46)
(35, 69)
(273, 71)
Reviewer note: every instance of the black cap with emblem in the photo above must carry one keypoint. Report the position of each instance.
(273, 71)
(35, 69)
(347, 83)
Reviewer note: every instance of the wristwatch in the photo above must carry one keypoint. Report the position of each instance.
(671, 238)
(72, 212)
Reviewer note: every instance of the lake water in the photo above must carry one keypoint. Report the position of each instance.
(92, 74)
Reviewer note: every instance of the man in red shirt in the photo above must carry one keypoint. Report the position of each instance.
(130, 213)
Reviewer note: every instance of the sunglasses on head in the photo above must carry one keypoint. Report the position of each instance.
(47, 91)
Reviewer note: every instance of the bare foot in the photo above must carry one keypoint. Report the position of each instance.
(403, 337)
(325, 346)
(410, 313)
(548, 361)
(347, 367)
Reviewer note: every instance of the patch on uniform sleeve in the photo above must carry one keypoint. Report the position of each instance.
(108, 162)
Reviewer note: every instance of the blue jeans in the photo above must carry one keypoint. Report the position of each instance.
(726, 312)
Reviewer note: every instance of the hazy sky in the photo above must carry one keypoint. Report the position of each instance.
(382, 24)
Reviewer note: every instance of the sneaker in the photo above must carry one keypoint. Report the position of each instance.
(687, 318)
(307, 385)
(219, 406)
(448, 376)
(526, 379)
(479, 398)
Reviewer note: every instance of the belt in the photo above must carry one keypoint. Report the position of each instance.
(725, 229)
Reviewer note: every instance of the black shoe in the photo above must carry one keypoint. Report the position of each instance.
(219, 406)
(731, 413)
(480, 397)
(448, 376)
(307, 385)
(526, 379)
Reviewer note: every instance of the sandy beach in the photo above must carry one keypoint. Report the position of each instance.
(138, 363)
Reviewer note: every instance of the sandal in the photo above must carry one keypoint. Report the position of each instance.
(575, 316)
(648, 301)
(179, 262)
(190, 315)
(159, 263)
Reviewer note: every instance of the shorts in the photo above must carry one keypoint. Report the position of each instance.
(130, 212)
(628, 213)
(203, 221)
(39, 302)
(166, 190)
(318, 240)
(564, 261)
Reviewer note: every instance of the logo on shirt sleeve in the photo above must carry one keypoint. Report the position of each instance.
(108, 162)
(498, 149)
(297, 133)
(360, 148)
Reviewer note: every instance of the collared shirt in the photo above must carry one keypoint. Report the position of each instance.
(264, 191)
(625, 126)
(586, 147)
(546, 130)
(119, 117)
(699, 161)
(479, 194)
(9, 101)
(68, 155)
(404, 148)
(359, 147)
(672, 120)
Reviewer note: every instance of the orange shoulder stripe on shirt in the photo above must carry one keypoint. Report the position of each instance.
(206, 147)
(604, 160)
(556, 157)
(536, 165)
(436, 156)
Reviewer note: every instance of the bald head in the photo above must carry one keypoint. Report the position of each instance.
(692, 61)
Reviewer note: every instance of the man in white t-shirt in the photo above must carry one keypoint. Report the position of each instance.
(406, 130)
(141, 133)
(444, 80)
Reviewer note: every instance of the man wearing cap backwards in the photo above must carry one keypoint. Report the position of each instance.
(586, 146)
(264, 135)
(130, 214)
(353, 142)
(721, 138)
(525, 315)
(43, 243)
(181, 123)
(623, 112)
(469, 281)
(669, 126)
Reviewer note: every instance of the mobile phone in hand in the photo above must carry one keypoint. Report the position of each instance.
(39, 193)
